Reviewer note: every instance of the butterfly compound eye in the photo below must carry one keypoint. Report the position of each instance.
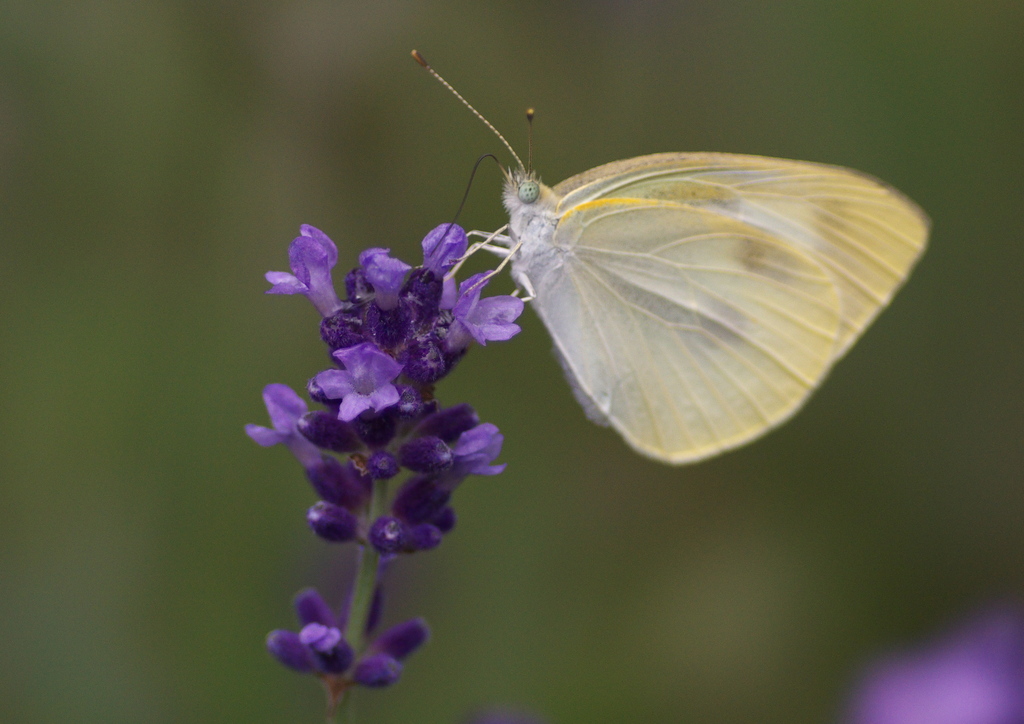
(529, 191)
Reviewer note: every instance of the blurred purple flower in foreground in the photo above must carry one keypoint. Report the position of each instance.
(503, 716)
(973, 676)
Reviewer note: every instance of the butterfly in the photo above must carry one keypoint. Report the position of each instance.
(696, 300)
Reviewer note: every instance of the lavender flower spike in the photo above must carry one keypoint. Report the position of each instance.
(311, 255)
(285, 409)
(975, 676)
(443, 246)
(364, 384)
(386, 274)
(483, 320)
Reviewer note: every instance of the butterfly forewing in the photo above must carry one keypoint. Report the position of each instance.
(691, 332)
(865, 234)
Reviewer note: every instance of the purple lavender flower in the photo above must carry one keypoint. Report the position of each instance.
(286, 647)
(483, 320)
(417, 324)
(420, 500)
(364, 384)
(474, 452)
(426, 455)
(388, 535)
(326, 431)
(311, 255)
(285, 409)
(444, 246)
(319, 645)
(332, 522)
(310, 607)
(402, 640)
(386, 274)
(319, 637)
(974, 676)
(377, 671)
(382, 465)
(340, 483)
(381, 666)
(449, 423)
(425, 537)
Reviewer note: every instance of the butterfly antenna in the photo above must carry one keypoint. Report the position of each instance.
(470, 184)
(419, 59)
(529, 143)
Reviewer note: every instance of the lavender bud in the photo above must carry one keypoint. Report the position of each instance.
(286, 647)
(326, 431)
(388, 328)
(382, 465)
(426, 455)
(424, 361)
(331, 651)
(420, 500)
(425, 537)
(449, 423)
(387, 535)
(341, 484)
(317, 394)
(377, 671)
(332, 522)
(422, 294)
(311, 608)
(401, 640)
(445, 520)
(343, 329)
(375, 430)
(410, 405)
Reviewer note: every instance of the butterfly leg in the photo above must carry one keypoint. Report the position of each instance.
(488, 244)
(495, 243)
(523, 284)
(493, 237)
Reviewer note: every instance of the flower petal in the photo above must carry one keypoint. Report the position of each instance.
(443, 247)
(264, 435)
(284, 406)
(284, 283)
(386, 274)
(334, 384)
(310, 607)
(353, 406)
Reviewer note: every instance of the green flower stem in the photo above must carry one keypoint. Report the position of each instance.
(362, 594)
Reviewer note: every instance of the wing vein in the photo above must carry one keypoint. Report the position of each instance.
(611, 359)
(675, 410)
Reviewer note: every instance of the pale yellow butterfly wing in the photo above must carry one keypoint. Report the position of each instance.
(866, 234)
(688, 331)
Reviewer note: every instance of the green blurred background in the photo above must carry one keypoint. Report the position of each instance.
(156, 158)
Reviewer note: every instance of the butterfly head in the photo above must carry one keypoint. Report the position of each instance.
(528, 201)
(523, 189)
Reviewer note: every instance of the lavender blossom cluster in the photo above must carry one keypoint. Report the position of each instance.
(397, 333)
